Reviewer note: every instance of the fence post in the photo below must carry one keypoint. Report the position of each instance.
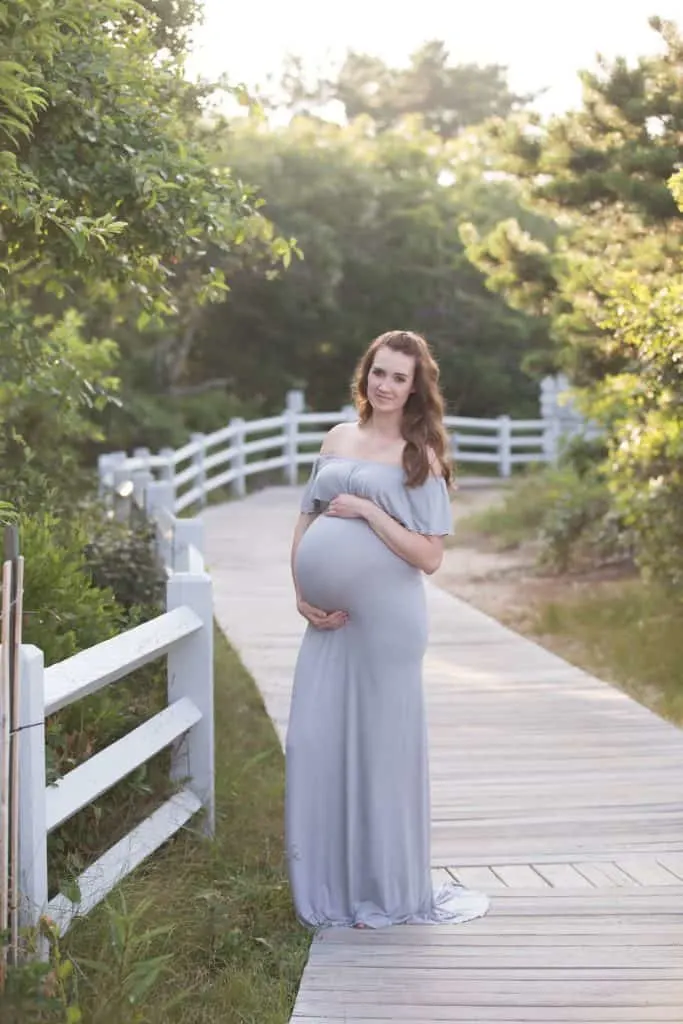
(295, 405)
(144, 455)
(159, 506)
(349, 412)
(106, 465)
(239, 484)
(551, 438)
(122, 492)
(32, 797)
(198, 463)
(159, 495)
(188, 533)
(141, 479)
(504, 446)
(166, 472)
(549, 415)
(190, 674)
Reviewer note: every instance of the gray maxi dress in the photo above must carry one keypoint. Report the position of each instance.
(357, 807)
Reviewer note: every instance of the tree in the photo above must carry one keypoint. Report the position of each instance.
(173, 20)
(608, 283)
(448, 98)
(112, 216)
(379, 234)
(601, 175)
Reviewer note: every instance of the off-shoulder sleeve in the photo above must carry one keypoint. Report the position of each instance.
(308, 501)
(429, 508)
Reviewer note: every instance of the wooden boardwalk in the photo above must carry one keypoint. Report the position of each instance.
(552, 791)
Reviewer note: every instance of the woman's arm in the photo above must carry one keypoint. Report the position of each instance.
(423, 552)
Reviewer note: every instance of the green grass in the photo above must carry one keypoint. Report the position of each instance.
(602, 617)
(626, 631)
(518, 517)
(225, 921)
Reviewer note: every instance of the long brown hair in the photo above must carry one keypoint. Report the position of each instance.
(422, 424)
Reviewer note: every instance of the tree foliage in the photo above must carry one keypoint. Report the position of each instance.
(112, 216)
(448, 97)
(601, 174)
(377, 218)
(607, 283)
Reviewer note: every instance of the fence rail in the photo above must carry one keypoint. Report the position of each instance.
(288, 442)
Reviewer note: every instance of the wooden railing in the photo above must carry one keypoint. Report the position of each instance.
(286, 443)
(183, 635)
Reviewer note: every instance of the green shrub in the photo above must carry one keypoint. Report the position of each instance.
(642, 409)
(55, 380)
(123, 558)
(520, 515)
(583, 455)
(65, 611)
(580, 527)
(571, 513)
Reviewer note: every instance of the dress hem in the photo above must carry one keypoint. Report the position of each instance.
(451, 904)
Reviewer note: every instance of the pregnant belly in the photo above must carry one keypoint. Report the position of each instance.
(341, 565)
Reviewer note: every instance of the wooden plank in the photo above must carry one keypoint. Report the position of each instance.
(100, 878)
(187, 451)
(604, 854)
(562, 876)
(646, 871)
(99, 773)
(188, 474)
(184, 501)
(603, 874)
(491, 957)
(519, 1014)
(673, 862)
(655, 929)
(478, 878)
(544, 982)
(481, 991)
(90, 670)
(520, 875)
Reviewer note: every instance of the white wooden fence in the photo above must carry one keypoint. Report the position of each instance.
(285, 443)
(184, 636)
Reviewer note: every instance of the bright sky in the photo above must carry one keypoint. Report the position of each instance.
(542, 42)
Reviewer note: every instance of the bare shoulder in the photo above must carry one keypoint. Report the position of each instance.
(339, 439)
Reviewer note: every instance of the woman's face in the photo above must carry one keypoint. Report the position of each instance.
(390, 381)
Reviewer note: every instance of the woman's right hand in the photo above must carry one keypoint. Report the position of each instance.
(320, 619)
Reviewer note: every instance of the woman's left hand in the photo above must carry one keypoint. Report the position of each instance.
(349, 506)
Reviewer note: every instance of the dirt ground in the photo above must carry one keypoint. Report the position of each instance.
(505, 584)
(473, 569)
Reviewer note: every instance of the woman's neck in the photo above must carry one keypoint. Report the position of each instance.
(385, 428)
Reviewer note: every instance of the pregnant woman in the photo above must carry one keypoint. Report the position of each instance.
(372, 521)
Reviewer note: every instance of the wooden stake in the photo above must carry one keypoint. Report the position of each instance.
(5, 651)
(17, 622)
